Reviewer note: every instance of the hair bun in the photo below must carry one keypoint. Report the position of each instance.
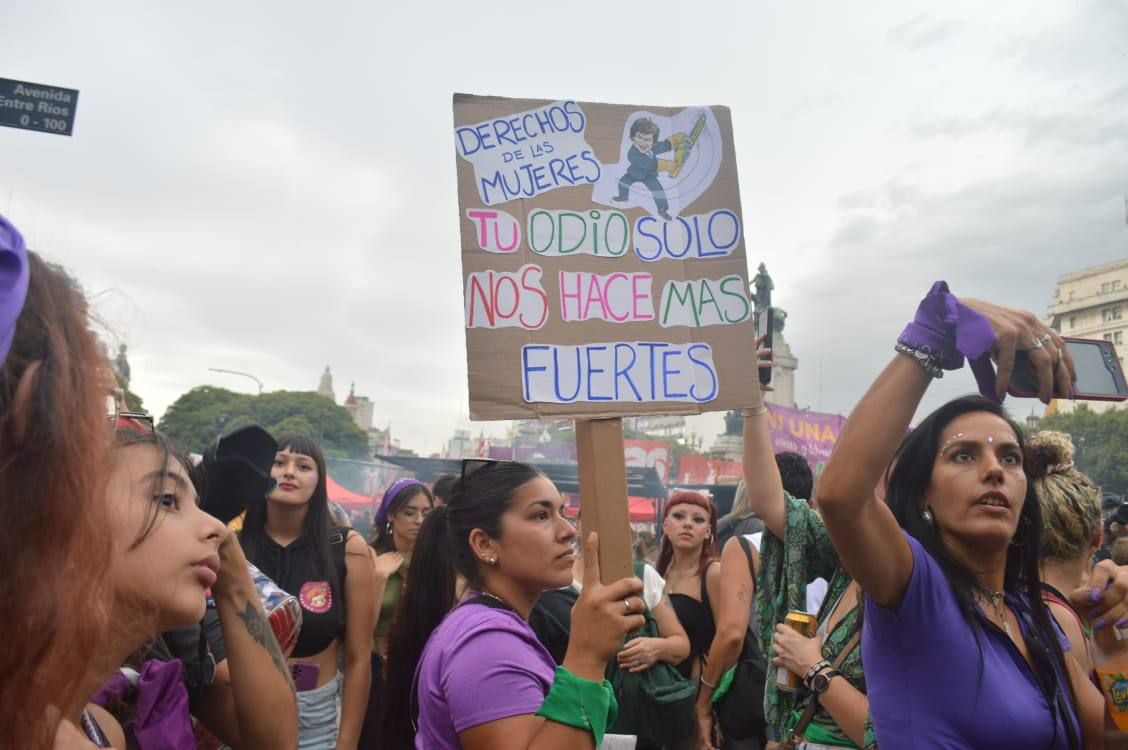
(1049, 452)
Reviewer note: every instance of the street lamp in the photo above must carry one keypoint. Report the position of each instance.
(244, 374)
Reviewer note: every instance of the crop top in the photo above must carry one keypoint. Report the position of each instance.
(298, 571)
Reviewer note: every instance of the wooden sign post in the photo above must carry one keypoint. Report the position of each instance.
(604, 276)
(603, 494)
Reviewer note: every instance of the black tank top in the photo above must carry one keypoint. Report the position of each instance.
(697, 619)
(298, 570)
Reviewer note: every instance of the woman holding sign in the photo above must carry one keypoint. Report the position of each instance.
(473, 674)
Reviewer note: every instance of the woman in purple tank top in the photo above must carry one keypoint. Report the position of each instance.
(960, 650)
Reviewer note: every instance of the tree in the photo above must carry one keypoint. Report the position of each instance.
(1101, 441)
(201, 414)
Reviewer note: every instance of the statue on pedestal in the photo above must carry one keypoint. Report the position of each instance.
(762, 297)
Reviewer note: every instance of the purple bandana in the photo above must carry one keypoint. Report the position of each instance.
(951, 330)
(13, 283)
(389, 496)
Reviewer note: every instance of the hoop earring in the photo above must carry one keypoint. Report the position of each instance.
(389, 527)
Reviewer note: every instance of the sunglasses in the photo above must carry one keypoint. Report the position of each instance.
(471, 466)
(127, 420)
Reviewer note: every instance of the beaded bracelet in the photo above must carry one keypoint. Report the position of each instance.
(923, 357)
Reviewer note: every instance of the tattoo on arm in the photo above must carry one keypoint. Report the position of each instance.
(742, 594)
(260, 631)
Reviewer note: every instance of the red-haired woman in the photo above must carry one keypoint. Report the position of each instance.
(56, 540)
(693, 582)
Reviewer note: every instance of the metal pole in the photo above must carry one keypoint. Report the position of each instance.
(244, 374)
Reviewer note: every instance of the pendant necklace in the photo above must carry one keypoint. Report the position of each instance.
(1000, 610)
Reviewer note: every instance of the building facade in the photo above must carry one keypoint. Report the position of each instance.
(1093, 304)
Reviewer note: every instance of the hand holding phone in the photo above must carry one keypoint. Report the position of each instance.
(765, 331)
(1099, 374)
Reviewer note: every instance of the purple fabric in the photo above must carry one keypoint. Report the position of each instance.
(157, 706)
(480, 665)
(13, 283)
(950, 331)
(389, 495)
(927, 686)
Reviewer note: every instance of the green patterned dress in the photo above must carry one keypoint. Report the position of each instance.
(786, 566)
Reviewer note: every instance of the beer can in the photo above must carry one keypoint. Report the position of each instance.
(805, 625)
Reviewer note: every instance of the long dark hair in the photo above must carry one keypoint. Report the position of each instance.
(442, 553)
(382, 540)
(316, 528)
(909, 476)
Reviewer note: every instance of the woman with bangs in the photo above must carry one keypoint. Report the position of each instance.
(960, 649)
(693, 582)
(290, 538)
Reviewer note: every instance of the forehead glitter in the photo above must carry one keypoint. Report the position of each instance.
(990, 440)
(951, 440)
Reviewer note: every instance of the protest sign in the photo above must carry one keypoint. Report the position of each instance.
(811, 434)
(603, 259)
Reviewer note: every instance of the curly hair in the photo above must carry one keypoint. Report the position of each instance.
(1070, 501)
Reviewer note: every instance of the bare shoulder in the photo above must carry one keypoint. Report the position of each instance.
(355, 544)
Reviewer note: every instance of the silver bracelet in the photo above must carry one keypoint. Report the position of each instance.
(922, 357)
(706, 683)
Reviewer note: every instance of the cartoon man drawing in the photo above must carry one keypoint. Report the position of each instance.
(645, 164)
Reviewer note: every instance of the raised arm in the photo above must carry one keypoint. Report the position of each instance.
(864, 531)
(761, 474)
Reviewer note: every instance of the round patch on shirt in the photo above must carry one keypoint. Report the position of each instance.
(316, 596)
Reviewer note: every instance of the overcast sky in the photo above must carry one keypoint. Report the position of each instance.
(269, 187)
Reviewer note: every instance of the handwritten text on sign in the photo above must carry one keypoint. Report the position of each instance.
(604, 265)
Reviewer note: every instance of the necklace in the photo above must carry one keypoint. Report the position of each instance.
(996, 598)
(498, 599)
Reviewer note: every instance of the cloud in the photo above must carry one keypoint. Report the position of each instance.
(923, 31)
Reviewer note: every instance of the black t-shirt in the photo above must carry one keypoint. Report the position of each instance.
(551, 620)
(298, 569)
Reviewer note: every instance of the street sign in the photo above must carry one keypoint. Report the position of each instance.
(36, 106)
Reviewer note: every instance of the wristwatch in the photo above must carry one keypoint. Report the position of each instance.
(820, 683)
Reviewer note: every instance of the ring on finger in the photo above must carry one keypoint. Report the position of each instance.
(627, 606)
(1037, 344)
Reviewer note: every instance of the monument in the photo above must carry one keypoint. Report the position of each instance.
(729, 446)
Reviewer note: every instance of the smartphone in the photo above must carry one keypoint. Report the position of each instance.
(304, 675)
(765, 328)
(1099, 374)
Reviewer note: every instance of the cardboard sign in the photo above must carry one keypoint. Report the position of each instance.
(603, 260)
(35, 106)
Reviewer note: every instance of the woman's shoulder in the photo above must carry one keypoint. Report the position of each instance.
(483, 634)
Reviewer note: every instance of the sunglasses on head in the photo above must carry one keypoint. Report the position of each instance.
(471, 466)
(127, 420)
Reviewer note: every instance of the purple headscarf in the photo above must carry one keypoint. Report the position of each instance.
(389, 496)
(13, 283)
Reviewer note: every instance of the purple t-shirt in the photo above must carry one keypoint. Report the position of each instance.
(480, 665)
(930, 687)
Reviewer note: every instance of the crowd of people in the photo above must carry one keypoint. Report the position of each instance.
(935, 588)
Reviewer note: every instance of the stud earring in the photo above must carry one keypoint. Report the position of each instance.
(926, 514)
